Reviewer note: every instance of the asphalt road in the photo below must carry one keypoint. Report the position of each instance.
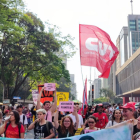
(30, 135)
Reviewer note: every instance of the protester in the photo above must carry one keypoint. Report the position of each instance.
(138, 111)
(4, 109)
(89, 112)
(47, 106)
(72, 115)
(91, 121)
(67, 128)
(129, 113)
(6, 114)
(119, 105)
(12, 127)
(84, 113)
(137, 135)
(101, 117)
(1, 117)
(28, 115)
(10, 109)
(116, 118)
(42, 129)
(33, 111)
(23, 118)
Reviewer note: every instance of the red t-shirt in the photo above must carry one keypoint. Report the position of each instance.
(101, 120)
(13, 132)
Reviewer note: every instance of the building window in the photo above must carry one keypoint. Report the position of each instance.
(132, 24)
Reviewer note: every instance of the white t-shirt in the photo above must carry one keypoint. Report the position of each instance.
(21, 119)
(109, 124)
(74, 119)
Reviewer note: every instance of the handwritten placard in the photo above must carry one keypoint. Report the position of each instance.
(49, 86)
(66, 106)
(88, 131)
(35, 96)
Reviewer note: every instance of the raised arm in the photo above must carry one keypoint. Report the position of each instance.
(77, 118)
(32, 125)
(54, 106)
(2, 128)
(38, 100)
(56, 119)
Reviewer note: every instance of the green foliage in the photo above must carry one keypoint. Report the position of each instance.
(100, 100)
(109, 96)
(28, 54)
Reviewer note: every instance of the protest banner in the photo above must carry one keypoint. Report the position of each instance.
(122, 131)
(62, 96)
(49, 86)
(78, 132)
(45, 95)
(66, 106)
(35, 96)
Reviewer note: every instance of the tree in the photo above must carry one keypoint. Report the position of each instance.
(27, 50)
(110, 96)
(100, 100)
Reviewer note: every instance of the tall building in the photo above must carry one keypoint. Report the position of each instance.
(73, 87)
(127, 76)
(133, 33)
(97, 87)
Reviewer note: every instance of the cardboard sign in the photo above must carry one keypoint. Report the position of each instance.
(62, 96)
(66, 106)
(45, 95)
(88, 131)
(49, 86)
(35, 96)
(78, 132)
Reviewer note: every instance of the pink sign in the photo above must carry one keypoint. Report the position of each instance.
(66, 106)
(35, 96)
(88, 131)
(49, 86)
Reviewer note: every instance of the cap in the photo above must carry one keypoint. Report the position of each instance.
(19, 106)
(7, 111)
(127, 106)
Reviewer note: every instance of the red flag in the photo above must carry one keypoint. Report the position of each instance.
(97, 49)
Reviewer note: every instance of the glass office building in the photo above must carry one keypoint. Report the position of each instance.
(134, 33)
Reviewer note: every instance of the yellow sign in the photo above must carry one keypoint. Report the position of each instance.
(62, 96)
(78, 132)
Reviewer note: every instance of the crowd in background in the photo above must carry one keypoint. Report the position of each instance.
(48, 122)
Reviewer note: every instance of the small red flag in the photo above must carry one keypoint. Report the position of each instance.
(97, 49)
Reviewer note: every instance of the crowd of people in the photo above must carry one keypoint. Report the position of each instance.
(48, 122)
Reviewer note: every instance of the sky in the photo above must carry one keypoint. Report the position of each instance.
(109, 15)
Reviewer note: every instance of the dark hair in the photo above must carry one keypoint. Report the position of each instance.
(92, 117)
(76, 103)
(19, 106)
(17, 117)
(46, 102)
(113, 118)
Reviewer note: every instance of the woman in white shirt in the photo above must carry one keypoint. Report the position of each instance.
(116, 118)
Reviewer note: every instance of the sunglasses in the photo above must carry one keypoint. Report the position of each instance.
(91, 122)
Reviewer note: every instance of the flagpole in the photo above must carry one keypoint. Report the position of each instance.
(90, 88)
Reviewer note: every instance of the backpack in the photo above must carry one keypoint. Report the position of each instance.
(54, 130)
(23, 119)
(137, 135)
(19, 126)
